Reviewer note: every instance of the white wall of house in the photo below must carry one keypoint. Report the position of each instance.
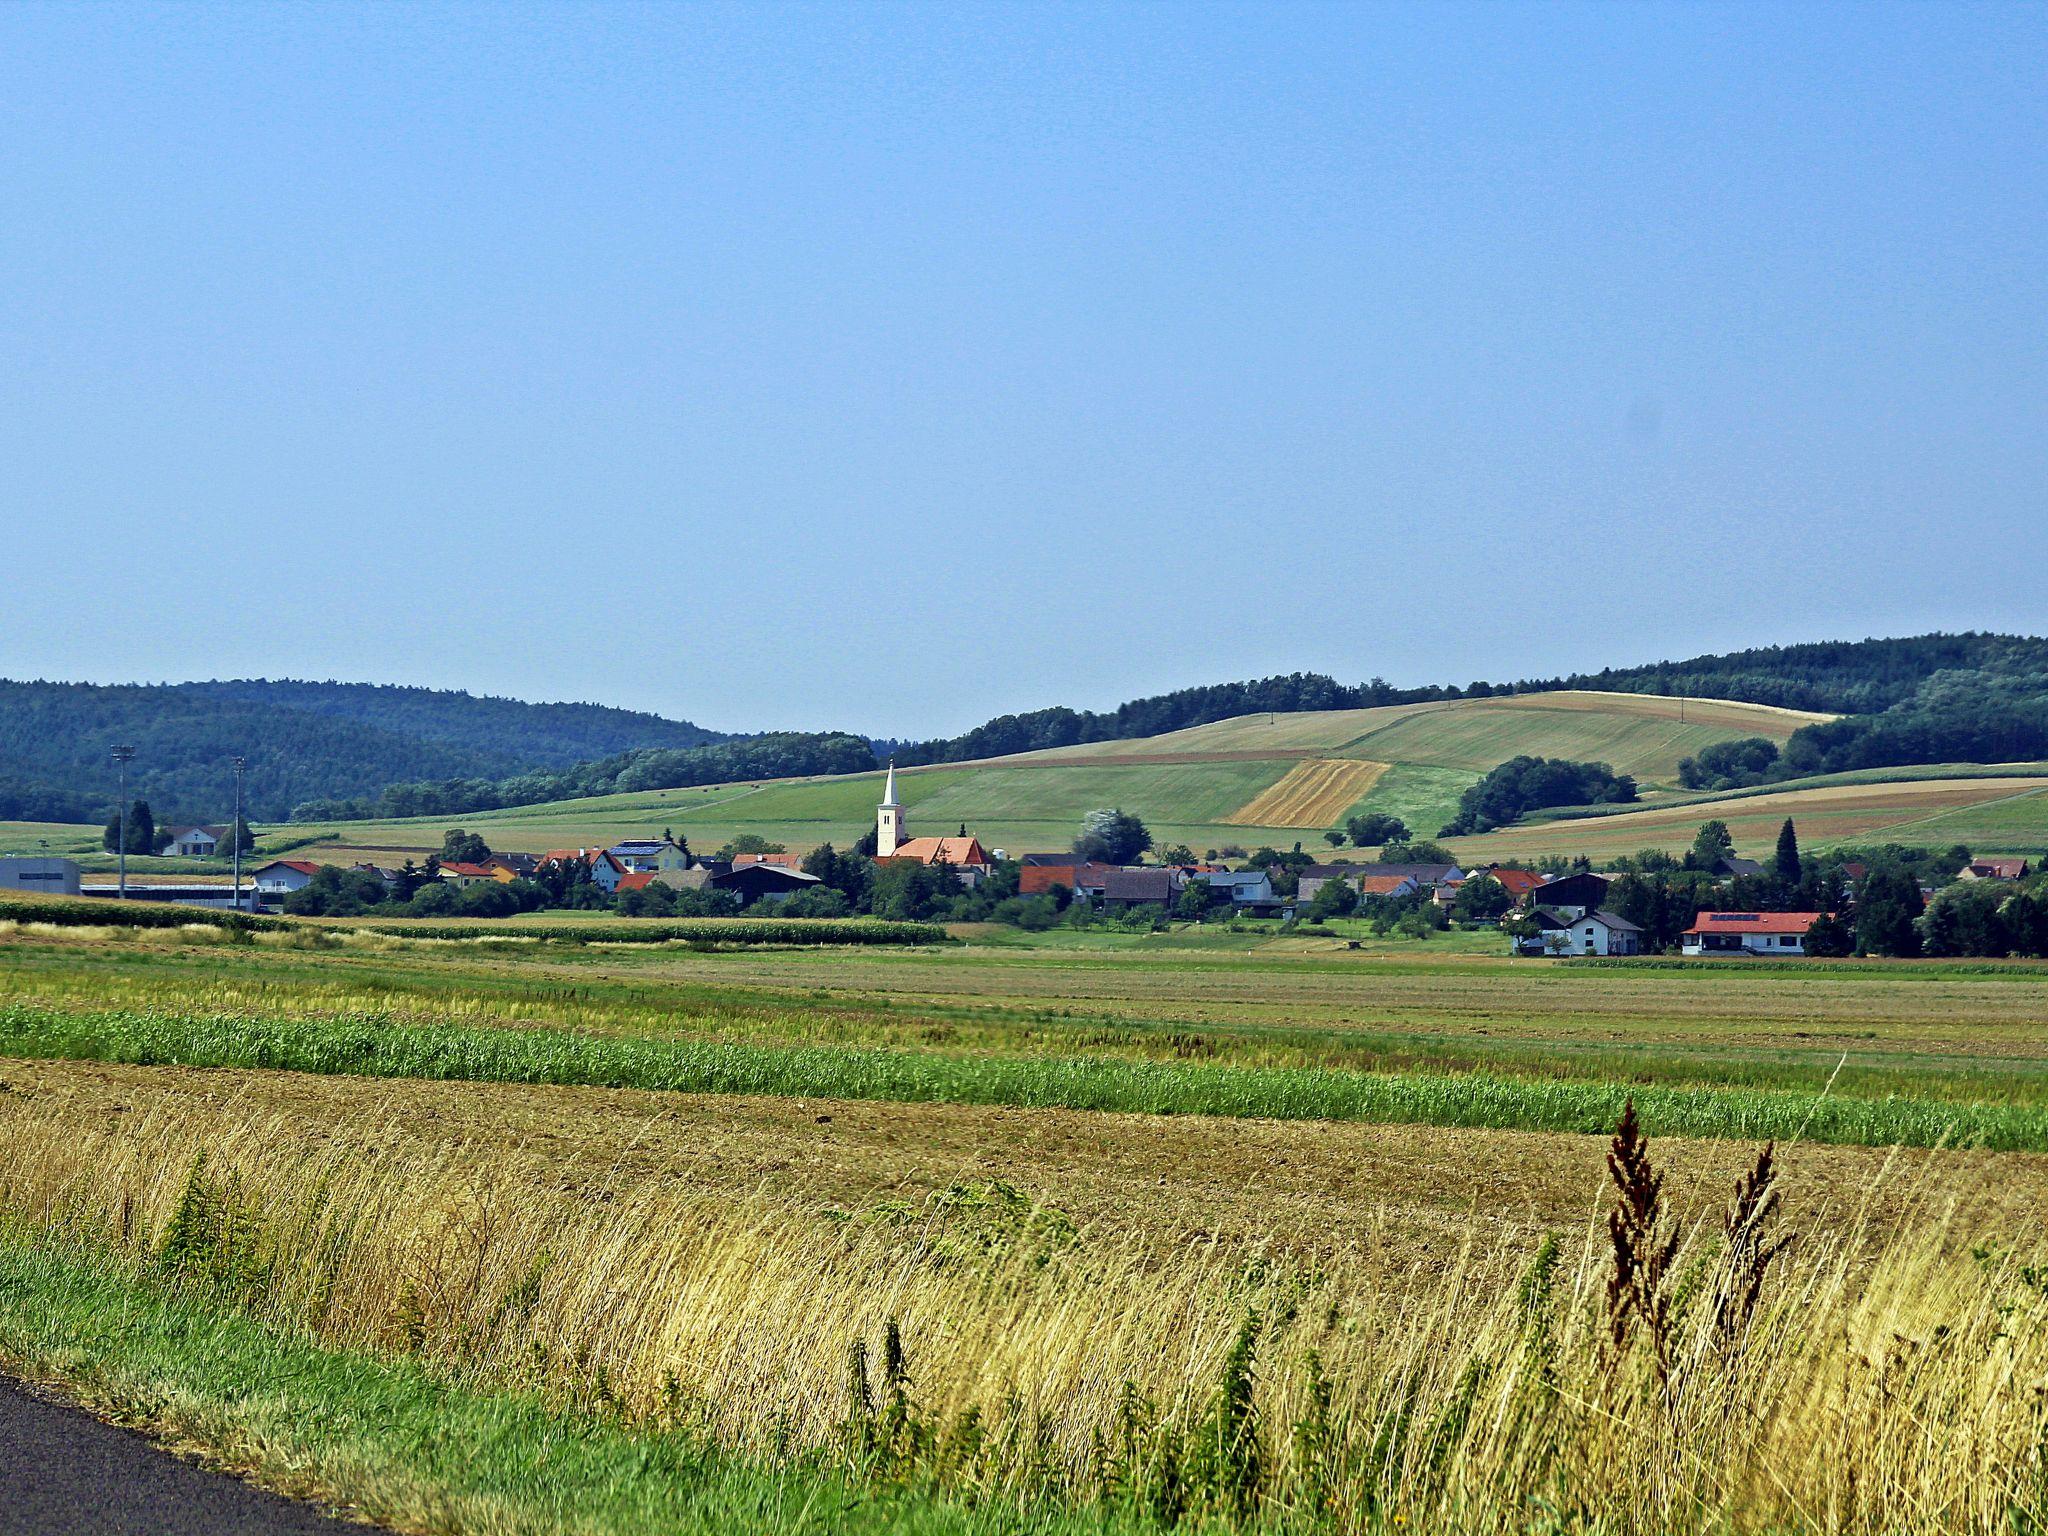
(195, 844)
(1751, 944)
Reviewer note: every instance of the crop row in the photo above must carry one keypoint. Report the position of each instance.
(371, 1048)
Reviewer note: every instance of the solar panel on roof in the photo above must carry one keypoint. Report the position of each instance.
(1738, 917)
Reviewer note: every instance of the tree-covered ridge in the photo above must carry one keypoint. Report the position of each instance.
(302, 742)
(785, 754)
(1293, 693)
(1845, 677)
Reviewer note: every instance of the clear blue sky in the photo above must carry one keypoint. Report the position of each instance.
(890, 367)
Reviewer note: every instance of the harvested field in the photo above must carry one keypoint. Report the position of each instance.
(1992, 815)
(1314, 793)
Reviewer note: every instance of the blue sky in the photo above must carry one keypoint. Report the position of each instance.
(891, 367)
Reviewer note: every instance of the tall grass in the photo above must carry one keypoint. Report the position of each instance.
(373, 1046)
(978, 1342)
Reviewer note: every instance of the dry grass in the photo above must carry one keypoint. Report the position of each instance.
(1890, 1381)
(1313, 793)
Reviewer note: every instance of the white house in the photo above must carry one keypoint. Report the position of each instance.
(281, 877)
(50, 877)
(1749, 933)
(638, 854)
(196, 842)
(1568, 931)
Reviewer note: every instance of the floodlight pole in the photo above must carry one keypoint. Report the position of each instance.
(121, 756)
(235, 832)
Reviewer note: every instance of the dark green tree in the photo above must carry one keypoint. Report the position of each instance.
(1888, 909)
(1111, 837)
(1482, 899)
(1712, 843)
(1375, 828)
(460, 847)
(1829, 938)
(142, 834)
(1787, 861)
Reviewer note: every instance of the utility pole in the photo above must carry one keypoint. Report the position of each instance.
(236, 831)
(121, 757)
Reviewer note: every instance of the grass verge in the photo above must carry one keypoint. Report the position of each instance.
(375, 1049)
(388, 1440)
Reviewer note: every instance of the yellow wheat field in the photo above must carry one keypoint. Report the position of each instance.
(1313, 793)
(1885, 1381)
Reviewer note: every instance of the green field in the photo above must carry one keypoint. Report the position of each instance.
(537, 1236)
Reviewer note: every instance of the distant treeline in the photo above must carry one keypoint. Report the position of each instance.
(781, 755)
(302, 741)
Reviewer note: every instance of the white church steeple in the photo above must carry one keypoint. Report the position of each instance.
(889, 818)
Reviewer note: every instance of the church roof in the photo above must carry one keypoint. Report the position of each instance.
(957, 851)
(889, 789)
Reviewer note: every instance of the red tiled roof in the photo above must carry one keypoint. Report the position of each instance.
(1384, 885)
(2001, 869)
(639, 880)
(1036, 879)
(470, 871)
(303, 866)
(779, 860)
(565, 856)
(957, 851)
(1755, 922)
(1518, 882)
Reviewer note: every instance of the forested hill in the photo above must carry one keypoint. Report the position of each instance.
(1844, 677)
(303, 741)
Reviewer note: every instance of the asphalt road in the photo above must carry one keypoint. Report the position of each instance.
(64, 1473)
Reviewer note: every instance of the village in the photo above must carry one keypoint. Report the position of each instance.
(1557, 909)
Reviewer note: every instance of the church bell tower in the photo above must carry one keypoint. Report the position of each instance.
(889, 819)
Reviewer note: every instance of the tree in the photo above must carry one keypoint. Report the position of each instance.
(1787, 861)
(142, 836)
(1375, 828)
(238, 833)
(1482, 899)
(1196, 899)
(1333, 898)
(1829, 938)
(1525, 783)
(460, 847)
(1334, 839)
(1179, 853)
(1888, 909)
(1415, 853)
(1710, 845)
(750, 842)
(1111, 837)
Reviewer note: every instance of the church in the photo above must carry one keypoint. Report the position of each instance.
(964, 853)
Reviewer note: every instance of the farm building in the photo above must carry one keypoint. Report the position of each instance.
(763, 882)
(49, 877)
(1749, 933)
(1576, 893)
(1425, 876)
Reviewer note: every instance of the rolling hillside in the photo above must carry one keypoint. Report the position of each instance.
(1263, 778)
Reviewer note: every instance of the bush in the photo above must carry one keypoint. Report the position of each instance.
(101, 912)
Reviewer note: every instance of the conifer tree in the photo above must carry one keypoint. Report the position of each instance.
(1788, 853)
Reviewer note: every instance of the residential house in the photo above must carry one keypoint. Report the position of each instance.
(1520, 884)
(606, 870)
(1426, 876)
(281, 877)
(638, 853)
(1995, 869)
(1735, 868)
(463, 876)
(1749, 933)
(516, 866)
(1038, 873)
(1563, 931)
(779, 860)
(196, 842)
(49, 877)
(1246, 887)
(390, 877)
(1387, 887)
(638, 880)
